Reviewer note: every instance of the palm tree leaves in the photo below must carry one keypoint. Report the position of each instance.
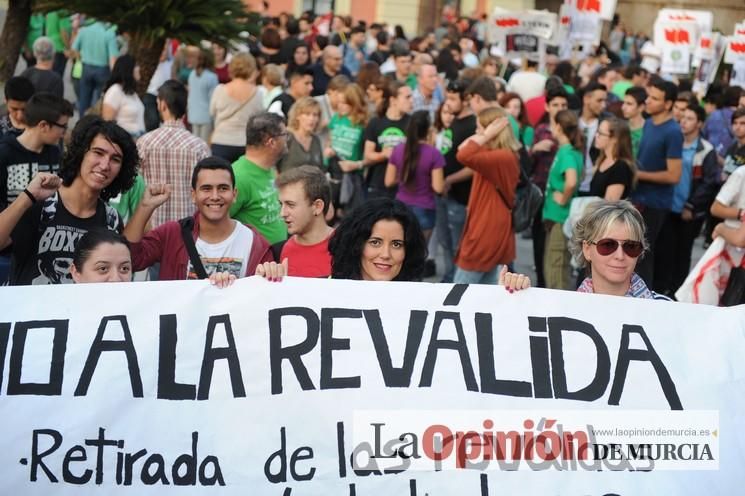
(190, 21)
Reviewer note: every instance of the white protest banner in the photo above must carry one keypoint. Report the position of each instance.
(264, 388)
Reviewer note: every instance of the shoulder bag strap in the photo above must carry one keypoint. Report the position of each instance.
(187, 225)
(523, 177)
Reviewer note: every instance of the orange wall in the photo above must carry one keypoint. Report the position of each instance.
(275, 6)
(360, 9)
(364, 10)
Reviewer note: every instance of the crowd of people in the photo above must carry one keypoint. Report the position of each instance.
(355, 152)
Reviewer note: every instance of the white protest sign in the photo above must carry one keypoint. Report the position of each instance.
(738, 74)
(265, 388)
(704, 19)
(675, 28)
(735, 55)
(705, 48)
(519, 32)
(706, 60)
(582, 21)
(605, 9)
(736, 45)
(675, 59)
(739, 29)
(677, 33)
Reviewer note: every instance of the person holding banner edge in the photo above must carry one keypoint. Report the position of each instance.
(380, 240)
(219, 248)
(609, 238)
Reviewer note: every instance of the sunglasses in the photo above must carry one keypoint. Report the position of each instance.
(609, 246)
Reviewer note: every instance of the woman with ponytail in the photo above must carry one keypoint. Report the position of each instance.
(564, 178)
(417, 168)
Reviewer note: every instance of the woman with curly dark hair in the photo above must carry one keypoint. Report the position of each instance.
(54, 212)
(379, 241)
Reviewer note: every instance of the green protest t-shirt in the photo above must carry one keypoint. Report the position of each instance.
(385, 133)
(257, 203)
(346, 138)
(126, 202)
(567, 157)
(57, 22)
(444, 141)
(636, 138)
(619, 88)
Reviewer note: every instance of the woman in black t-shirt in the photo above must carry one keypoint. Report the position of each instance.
(383, 133)
(614, 174)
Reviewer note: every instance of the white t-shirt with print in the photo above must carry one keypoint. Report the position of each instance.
(230, 255)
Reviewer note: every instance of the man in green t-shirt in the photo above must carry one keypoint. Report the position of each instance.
(58, 27)
(257, 202)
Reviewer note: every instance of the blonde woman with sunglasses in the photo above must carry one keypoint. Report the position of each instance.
(607, 241)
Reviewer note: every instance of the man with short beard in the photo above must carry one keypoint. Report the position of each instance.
(451, 205)
(256, 202)
(594, 99)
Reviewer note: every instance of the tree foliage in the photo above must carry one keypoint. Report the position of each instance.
(190, 21)
(150, 22)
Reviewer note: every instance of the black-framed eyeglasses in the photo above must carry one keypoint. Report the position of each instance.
(605, 135)
(57, 124)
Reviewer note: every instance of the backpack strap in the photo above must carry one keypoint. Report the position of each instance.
(187, 226)
(524, 179)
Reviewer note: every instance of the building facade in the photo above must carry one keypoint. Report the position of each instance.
(418, 15)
